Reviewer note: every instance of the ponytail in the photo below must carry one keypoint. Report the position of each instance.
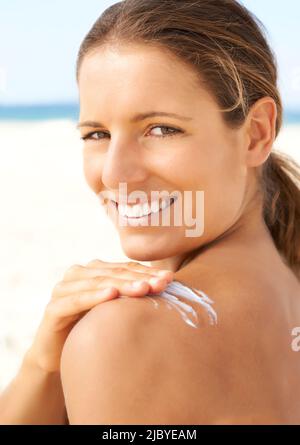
(281, 184)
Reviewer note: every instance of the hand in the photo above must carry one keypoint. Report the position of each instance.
(82, 288)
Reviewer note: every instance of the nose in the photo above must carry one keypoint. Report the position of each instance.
(123, 163)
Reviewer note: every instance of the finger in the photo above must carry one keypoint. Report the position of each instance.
(81, 272)
(77, 273)
(157, 283)
(79, 302)
(162, 273)
(133, 265)
(128, 287)
(92, 269)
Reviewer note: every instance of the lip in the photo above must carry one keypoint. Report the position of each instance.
(137, 219)
(116, 201)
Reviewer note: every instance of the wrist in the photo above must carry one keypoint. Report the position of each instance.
(33, 361)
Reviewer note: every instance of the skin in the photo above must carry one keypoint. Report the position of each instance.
(215, 156)
(236, 261)
(35, 395)
(255, 294)
(139, 365)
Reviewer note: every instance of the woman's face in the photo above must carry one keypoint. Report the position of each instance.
(196, 152)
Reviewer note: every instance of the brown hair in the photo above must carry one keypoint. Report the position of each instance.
(227, 46)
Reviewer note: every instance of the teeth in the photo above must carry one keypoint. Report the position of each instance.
(146, 209)
(129, 211)
(164, 204)
(139, 210)
(154, 206)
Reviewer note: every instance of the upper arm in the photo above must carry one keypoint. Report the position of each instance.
(127, 363)
(124, 363)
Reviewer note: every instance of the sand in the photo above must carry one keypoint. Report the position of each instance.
(51, 220)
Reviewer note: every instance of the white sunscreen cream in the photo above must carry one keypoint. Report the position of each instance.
(187, 312)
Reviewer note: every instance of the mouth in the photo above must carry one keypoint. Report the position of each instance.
(136, 219)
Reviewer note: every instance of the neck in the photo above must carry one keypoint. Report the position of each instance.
(172, 263)
(248, 233)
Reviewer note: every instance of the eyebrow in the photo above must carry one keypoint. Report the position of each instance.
(136, 118)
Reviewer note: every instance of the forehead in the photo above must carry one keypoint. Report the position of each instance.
(134, 74)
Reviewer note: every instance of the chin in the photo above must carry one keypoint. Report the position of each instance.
(144, 251)
(143, 254)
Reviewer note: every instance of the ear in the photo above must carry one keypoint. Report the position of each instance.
(261, 131)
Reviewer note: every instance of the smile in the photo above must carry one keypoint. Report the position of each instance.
(141, 212)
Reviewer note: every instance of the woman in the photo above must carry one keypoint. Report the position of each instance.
(133, 360)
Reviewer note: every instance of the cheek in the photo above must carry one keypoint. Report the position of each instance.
(197, 167)
(225, 186)
(218, 172)
(92, 169)
(177, 167)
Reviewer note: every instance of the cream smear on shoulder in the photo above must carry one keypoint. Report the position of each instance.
(187, 312)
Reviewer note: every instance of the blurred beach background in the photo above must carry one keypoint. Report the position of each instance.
(50, 219)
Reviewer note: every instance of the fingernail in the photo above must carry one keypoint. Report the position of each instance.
(166, 275)
(163, 272)
(136, 284)
(113, 289)
(109, 290)
(156, 281)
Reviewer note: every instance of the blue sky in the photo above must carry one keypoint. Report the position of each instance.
(39, 43)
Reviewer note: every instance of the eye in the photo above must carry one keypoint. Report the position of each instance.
(173, 132)
(90, 136)
(98, 135)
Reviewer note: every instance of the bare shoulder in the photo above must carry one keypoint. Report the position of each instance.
(132, 363)
(144, 364)
(240, 294)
